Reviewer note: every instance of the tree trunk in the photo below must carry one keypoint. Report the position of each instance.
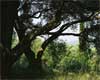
(21, 34)
(8, 14)
(82, 39)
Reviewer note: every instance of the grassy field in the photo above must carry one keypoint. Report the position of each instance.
(76, 76)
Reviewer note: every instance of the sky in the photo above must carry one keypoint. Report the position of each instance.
(71, 39)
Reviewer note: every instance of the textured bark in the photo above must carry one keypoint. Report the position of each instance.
(83, 39)
(21, 34)
(8, 15)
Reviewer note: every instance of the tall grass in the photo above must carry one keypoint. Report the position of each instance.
(77, 76)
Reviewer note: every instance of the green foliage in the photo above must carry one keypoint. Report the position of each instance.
(15, 40)
(20, 65)
(56, 51)
(61, 58)
(76, 76)
(36, 45)
(65, 59)
(74, 60)
(78, 61)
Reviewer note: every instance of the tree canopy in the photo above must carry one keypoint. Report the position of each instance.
(51, 14)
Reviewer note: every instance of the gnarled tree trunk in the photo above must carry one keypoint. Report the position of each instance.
(8, 15)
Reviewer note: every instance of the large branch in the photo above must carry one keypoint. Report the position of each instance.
(45, 44)
(25, 43)
(63, 34)
(55, 35)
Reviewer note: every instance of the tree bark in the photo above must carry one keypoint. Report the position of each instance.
(8, 15)
(21, 34)
(82, 39)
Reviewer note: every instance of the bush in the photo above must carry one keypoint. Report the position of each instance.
(74, 60)
(54, 53)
